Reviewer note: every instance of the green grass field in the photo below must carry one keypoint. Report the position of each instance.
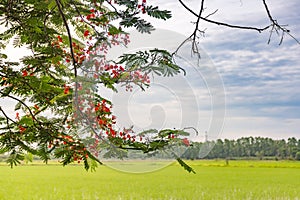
(240, 180)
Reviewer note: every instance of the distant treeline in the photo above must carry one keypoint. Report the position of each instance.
(242, 148)
(246, 147)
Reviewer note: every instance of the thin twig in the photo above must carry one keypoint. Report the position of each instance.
(207, 16)
(7, 120)
(24, 104)
(82, 18)
(276, 26)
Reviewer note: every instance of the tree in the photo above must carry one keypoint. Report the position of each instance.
(55, 88)
(51, 79)
(297, 155)
(292, 147)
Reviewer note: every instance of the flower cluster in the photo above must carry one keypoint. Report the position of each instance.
(137, 77)
(114, 71)
(27, 71)
(75, 146)
(142, 6)
(97, 115)
(104, 117)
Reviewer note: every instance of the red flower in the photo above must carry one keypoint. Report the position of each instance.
(17, 116)
(59, 39)
(86, 33)
(22, 129)
(82, 58)
(36, 107)
(96, 76)
(88, 17)
(106, 67)
(66, 90)
(101, 122)
(105, 109)
(186, 142)
(113, 133)
(24, 73)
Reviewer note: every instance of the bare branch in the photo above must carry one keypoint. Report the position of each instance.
(276, 27)
(221, 23)
(212, 13)
(274, 24)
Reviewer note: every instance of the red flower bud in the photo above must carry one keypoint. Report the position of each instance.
(86, 33)
(24, 73)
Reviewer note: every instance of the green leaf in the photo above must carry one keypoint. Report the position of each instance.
(4, 56)
(156, 13)
(18, 106)
(148, 132)
(140, 24)
(28, 158)
(4, 149)
(28, 121)
(185, 166)
(14, 159)
(51, 4)
(58, 97)
(157, 61)
(113, 30)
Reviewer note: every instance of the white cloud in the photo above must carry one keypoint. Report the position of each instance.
(261, 81)
(260, 126)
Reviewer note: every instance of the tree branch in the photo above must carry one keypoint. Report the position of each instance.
(7, 119)
(69, 36)
(274, 24)
(85, 21)
(221, 23)
(24, 104)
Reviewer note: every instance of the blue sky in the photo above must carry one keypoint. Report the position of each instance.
(262, 81)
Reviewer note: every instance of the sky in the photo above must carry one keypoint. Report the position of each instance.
(241, 86)
(261, 80)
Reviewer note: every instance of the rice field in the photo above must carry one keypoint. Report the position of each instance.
(213, 180)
